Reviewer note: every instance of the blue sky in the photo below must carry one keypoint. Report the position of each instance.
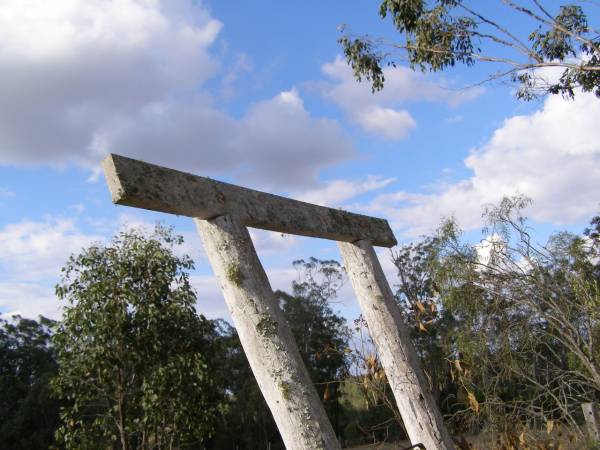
(256, 93)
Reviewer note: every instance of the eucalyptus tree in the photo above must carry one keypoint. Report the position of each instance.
(28, 411)
(524, 348)
(321, 334)
(520, 40)
(133, 354)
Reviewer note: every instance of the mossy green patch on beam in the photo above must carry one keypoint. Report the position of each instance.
(143, 185)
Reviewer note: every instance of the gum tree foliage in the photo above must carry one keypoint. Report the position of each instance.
(133, 355)
(28, 412)
(520, 342)
(321, 334)
(366, 393)
(530, 322)
(246, 421)
(508, 329)
(592, 236)
(438, 34)
(432, 326)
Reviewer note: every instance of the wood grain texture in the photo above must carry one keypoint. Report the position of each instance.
(266, 337)
(592, 420)
(142, 185)
(420, 414)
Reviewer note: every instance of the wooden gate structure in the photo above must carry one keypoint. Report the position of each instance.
(222, 212)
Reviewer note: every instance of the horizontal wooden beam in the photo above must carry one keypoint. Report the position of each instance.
(142, 185)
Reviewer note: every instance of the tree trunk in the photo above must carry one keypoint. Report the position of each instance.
(122, 433)
(265, 336)
(420, 414)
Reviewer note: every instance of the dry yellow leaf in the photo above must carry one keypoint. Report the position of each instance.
(457, 365)
(549, 426)
(371, 361)
(473, 403)
(522, 438)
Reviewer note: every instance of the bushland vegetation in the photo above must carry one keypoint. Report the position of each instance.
(507, 330)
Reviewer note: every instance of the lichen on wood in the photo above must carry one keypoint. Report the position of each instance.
(266, 337)
(137, 183)
(235, 274)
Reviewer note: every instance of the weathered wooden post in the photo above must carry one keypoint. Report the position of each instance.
(266, 337)
(592, 420)
(421, 417)
(222, 212)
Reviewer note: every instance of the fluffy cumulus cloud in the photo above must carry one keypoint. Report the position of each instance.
(33, 251)
(334, 193)
(551, 156)
(31, 255)
(382, 113)
(275, 143)
(28, 300)
(81, 79)
(72, 68)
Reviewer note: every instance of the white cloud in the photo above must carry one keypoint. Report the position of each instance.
(78, 208)
(335, 192)
(271, 242)
(28, 300)
(241, 66)
(128, 76)
(379, 113)
(33, 251)
(276, 143)
(492, 245)
(386, 122)
(291, 145)
(70, 27)
(71, 69)
(551, 155)
(31, 255)
(210, 298)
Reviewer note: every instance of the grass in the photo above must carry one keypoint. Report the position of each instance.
(532, 440)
